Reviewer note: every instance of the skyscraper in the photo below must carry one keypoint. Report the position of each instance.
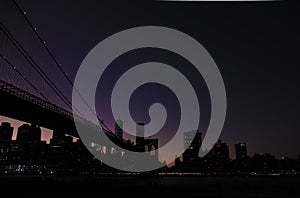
(220, 153)
(192, 138)
(6, 131)
(140, 134)
(119, 129)
(192, 142)
(240, 151)
(28, 132)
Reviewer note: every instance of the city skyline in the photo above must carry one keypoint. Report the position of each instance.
(159, 98)
(47, 134)
(29, 155)
(260, 77)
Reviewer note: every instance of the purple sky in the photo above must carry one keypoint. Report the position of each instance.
(255, 46)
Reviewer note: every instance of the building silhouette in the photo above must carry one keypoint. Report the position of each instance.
(28, 155)
(240, 151)
(28, 132)
(60, 152)
(140, 136)
(191, 136)
(58, 138)
(6, 131)
(192, 143)
(151, 146)
(119, 129)
(241, 156)
(220, 154)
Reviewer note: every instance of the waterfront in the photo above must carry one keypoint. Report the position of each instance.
(192, 186)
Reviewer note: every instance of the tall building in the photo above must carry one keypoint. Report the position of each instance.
(28, 132)
(152, 146)
(192, 143)
(119, 129)
(140, 134)
(6, 131)
(221, 155)
(29, 140)
(192, 138)
(240, 151)
(221, 150)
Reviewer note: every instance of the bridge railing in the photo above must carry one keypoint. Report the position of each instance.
(15, 91)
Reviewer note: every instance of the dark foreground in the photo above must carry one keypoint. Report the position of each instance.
(153, 186)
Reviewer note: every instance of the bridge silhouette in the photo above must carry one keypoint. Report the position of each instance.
(21, 105)
(34, 86)
(28, 88)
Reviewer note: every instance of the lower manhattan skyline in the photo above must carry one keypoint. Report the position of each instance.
(27, 152)
(47, 134)
(255, 52)
(193, 98)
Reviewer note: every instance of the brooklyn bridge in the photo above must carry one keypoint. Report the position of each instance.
(34, 86)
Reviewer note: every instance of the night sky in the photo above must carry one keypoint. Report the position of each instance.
(254, 44)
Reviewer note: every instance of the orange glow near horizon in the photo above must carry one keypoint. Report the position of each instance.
(46, 133)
